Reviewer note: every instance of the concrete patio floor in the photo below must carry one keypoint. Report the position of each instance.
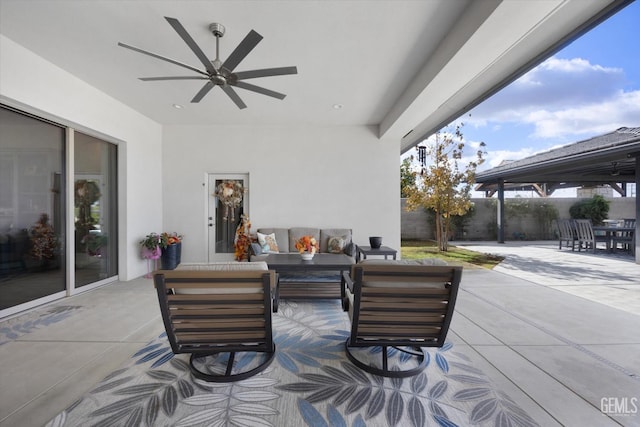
(558, 331)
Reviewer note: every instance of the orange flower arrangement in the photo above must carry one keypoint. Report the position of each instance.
(307, 244)
(167, 239)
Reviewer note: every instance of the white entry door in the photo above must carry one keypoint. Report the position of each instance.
(227, 201)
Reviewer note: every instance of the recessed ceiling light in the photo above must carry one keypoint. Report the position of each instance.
(178, 106)
(337, 106)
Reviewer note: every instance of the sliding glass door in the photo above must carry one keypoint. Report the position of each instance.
(95, 210)
(32, 209)
(35, 211)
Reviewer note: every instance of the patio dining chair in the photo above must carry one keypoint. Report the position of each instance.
(625, 238)
(587, 239)
(219, 313)
(395, 311)
(566, 233)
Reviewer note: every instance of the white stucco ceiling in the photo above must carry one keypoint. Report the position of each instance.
(403, 66)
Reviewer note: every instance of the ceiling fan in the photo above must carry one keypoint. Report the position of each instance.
(216, 72)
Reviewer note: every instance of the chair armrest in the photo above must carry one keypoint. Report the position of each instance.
(275, 294)
(255, 249)
(350, 249)
(347, 281)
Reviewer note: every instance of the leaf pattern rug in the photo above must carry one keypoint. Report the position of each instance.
(311, 382)
(14, 328)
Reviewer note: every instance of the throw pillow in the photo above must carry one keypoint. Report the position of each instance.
(268, 243)
(256, 248)
(335, 245)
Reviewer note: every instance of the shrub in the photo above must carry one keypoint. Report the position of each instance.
(596, 209)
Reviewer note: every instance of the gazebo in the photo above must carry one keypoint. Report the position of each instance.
(610, 159)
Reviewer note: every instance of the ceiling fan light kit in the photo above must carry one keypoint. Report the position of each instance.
(216, 72)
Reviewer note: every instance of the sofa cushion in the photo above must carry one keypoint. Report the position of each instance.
(268, 243)
(282, 237)
(423, 261)
(222, 266)
(399, 283)
(295, 233)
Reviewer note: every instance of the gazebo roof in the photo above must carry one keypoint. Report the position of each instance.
(605, 159)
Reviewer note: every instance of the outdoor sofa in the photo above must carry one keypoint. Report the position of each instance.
(283, 240)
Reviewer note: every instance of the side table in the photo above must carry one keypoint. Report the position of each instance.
(363, 251)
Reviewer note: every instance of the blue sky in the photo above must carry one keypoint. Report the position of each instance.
(589, 88)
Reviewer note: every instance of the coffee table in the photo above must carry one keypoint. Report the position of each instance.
(292, 263)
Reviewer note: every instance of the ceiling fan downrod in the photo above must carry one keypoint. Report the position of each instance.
(218, 32)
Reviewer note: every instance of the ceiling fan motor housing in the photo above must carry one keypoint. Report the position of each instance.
(217, 29)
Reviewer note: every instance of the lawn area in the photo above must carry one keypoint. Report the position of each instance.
(418, 249)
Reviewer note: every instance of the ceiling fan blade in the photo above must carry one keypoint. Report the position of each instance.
(155, 79)
(189, 67)
(234, 96)
(266, 72)
(191, 43)
(202, 92)
(242, 50)
(259, 89)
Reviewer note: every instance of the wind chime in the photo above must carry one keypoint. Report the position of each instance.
(229, 193)
(422, 158)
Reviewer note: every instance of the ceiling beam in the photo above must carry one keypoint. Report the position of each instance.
(409, 110)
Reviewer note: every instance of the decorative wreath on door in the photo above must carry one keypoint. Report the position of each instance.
(229, 193)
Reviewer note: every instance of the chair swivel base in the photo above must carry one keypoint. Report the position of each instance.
(385, 371)
(227, 376)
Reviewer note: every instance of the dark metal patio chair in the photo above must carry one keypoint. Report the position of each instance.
(625, 238)
(567, 233)
(400, 309)
(215, 313)
(587, 239)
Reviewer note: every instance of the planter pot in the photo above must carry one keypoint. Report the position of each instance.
(171, 256)
(307, 256)
(150, 253)
(375, 242)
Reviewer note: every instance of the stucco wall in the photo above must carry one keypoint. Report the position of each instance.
(415, 224)
(298, 176)
(31, 84)
(327, 177)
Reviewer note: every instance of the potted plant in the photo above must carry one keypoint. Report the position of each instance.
(171, 249)
(307, 246)
(150, 246)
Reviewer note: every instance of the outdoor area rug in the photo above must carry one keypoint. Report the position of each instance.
(14, 328)
(310, 382)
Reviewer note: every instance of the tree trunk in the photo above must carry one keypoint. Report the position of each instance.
(441, 233)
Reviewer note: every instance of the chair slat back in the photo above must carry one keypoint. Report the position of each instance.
(205, 311)
(566, 233)
(584, 229)
(567, 228)
(403, 304)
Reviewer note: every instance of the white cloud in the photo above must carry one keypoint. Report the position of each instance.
(604, 117)
(563, 97)
(495, 158)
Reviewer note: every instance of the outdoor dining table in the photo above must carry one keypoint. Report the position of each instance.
(611, 231)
